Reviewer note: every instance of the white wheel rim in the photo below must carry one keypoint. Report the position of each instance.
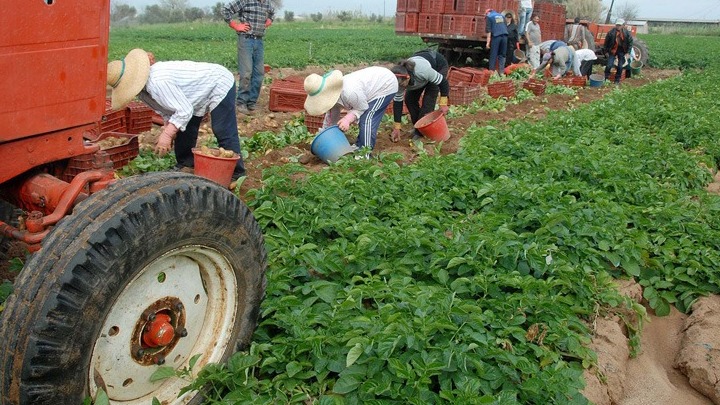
(204, 281)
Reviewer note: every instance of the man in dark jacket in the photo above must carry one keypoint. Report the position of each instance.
(497, 36)
(618, 43)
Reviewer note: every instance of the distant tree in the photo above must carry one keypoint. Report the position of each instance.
(217, 11)
(316, 17)
(174, 4)
(121, 11)
(154, 14)
(627, 11)
(277, 4)
(194, 14)
(586, 9)
(344, 16)
(289, 16)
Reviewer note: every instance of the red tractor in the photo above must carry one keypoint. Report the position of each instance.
(599, 31)
(126, 275)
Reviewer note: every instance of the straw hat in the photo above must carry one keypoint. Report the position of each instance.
(323, 91)
(127, 77)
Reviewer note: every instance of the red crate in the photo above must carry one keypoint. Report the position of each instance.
(464, 94)
(479, 76)
(113, 120)
(287, 95)
(430, 23)
(401, 6)
(433, 6)
(536, 86)
(413, 6)
(458, 75)
(612, 76)
(406, 22)
(314, 122)
(504, 88)
(138, 117)
(570, 81)
(459, 24)
(114, 156)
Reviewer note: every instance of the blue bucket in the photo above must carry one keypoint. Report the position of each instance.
(330, 144)
(596, 80)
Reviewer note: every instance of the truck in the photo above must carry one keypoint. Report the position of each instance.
(457, 27)
(124, 277)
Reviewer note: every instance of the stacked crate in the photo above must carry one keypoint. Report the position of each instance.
(287, 95)
(138, 117)
(112, 120)
(552, 19)
(504, 88)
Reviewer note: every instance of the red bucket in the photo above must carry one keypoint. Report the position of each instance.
(434, 126)
(215, 168)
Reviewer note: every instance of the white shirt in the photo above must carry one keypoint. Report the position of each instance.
(526, 4)
(585, 54)
(179, 90)
(364, 85)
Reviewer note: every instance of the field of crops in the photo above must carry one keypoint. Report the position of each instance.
(472, 277)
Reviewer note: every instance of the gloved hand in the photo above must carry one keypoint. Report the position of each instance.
(268, 23)
(395, 135)
(239, 27)
(443, 103)
(165, 139)
(344, 123)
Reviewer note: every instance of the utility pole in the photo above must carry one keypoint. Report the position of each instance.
(609, 13)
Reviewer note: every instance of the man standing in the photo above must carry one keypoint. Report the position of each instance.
(618, 43)
(497, 37)
(253, 16)
(533, 38)
(526, 9)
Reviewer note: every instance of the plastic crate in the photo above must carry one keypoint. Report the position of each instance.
(114, 156)
(570, 81)
(139, 117)
(612, 76)
(401, 6)
(504, 88)
(479, 76)
(413, 6)
(287, 96)
(432, 6)
(457, 76)
(429, 23)
(406, 22)
(464, 94)
(459, 24)
(314, 122)
(536, 86)
(113, 121)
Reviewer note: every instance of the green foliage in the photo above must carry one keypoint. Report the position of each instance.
(147, 161)
(294, 132)
(682, 52)
(297, 44)
(289, 16)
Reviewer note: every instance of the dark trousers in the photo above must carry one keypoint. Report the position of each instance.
(498, 50)
(586, 68)
(224, 126)
(429, 95)
(620, 56)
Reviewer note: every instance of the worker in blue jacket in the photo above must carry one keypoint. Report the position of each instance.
(497, 39)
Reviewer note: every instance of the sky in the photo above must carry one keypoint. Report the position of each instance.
(693, 9)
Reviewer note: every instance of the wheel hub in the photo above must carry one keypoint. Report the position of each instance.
(158, 330)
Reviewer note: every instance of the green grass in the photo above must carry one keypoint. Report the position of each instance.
(296, 44)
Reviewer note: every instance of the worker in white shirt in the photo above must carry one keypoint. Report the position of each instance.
(584, 61)
(182, 92)
(365, 95)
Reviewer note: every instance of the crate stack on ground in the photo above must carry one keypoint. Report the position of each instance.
(139, 117)
(287, 95)
(536, 86)
(313, 122)
(503, 88)
(115, 156)
(466, 84)
(112, 120)
(570, 81)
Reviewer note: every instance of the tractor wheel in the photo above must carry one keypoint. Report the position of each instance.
(151, 271)
(641, 51)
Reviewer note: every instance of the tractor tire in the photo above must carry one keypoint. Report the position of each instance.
(161, 247)
(641, 49)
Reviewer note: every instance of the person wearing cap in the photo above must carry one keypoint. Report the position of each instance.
(497, 39)
(425, 74)
(253, 18)
(182, 92)
(513, 38)
(526, 9)
(618, 43)
(533, 39)
(365, 94)
(561, 59)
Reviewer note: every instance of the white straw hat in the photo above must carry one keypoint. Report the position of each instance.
(323, 91)
(127, 77)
